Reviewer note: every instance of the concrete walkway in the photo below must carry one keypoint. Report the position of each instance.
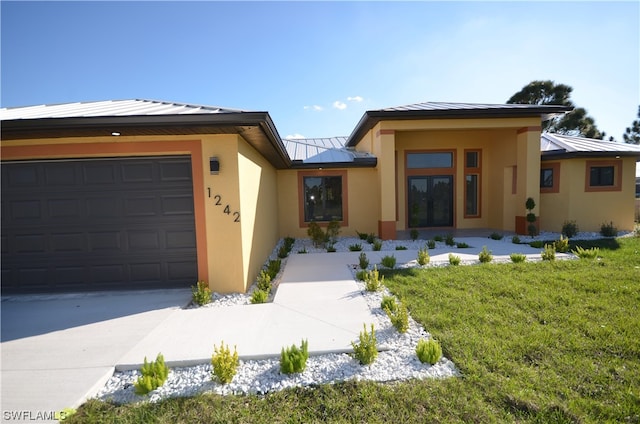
(57, 351)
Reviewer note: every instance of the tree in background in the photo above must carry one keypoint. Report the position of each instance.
(576, 122)
(632, 134)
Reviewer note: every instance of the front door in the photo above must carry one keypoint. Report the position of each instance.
(430, 201)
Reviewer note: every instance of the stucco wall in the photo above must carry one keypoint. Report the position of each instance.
(362, 197)
(589, 209)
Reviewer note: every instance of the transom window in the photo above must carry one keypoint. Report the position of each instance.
(429, 160)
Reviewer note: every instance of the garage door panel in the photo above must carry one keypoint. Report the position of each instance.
(96, 224)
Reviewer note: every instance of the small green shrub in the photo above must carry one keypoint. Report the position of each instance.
(373, 281)
(366, 351)
(283, 252)
(399, 247)
(438, 238)
(259, 296)
(377, 245)
(371, 238)
(294, 359)
(429, 351)
(515, 240)
(357, 247)
(562, 245)
(225, 363)
(316, 234)
(517, 258)
(485, 255)
(289, 242)
(388, 261)
(537, 244)
(273, 268)
(582, 253)
(363, 261)
(496, 236)
(449, 241)
(431, 244)
(532, 229)
(549, 253)
(154, 374)
(414, 234)
(264, 281)
(400, 317)
(454, 259)
(362, 275)
(569, 229)
(388, 302)
(423, 256)
(302, 251)
(608, 230)
(331, 248)
(362, 236)
(333, 229)
(200, 293)
(530, 204)
(462, 245)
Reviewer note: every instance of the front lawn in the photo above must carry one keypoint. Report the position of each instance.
(536, 343)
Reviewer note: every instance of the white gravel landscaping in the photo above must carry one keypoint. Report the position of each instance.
(396, 360)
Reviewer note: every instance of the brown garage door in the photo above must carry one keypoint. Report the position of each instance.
(76, 225)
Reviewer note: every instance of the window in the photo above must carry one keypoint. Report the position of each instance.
(429, 160)
(550, 178)
(323, 196)
(472, 172)
(603, 175)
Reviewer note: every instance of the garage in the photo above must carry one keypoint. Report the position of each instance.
(98, 224)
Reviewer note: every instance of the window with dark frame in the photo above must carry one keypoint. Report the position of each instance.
(472, 173)
(602, 176)
(546, 178)
(322, 198)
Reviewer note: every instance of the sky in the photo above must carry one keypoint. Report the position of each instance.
(316, 67)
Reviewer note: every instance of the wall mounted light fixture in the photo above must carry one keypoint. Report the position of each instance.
(214, 166)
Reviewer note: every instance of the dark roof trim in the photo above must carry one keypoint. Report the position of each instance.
(369, 162)
(563, 154)
(255, 127)
(372, 117)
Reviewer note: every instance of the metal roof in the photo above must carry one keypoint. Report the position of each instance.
(555, 146)
(446, 110)
(134, 107)
(330, 152)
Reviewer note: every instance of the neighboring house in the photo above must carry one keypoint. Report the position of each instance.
(147, 194)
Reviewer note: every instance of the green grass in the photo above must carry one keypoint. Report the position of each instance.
(545, 342)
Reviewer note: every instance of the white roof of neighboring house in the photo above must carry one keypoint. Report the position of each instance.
(135, 107)
(565, 145)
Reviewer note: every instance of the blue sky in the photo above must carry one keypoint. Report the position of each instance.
(316, 67)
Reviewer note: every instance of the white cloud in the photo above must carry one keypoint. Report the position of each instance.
(355, 99)
(314, 108)
(294, 136)
(339, 105)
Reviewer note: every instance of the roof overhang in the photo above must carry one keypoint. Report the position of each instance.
(363, 162)
(372, 117)
(564, 154)
(256, 128)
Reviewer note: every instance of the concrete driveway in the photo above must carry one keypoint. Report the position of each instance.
(57, 349)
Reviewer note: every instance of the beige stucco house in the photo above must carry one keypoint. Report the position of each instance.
(138, 193)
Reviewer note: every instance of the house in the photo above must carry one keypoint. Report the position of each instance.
(148, 194)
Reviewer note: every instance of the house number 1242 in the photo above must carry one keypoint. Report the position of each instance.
(227, 209)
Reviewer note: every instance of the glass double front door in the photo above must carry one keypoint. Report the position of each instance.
(430, 201)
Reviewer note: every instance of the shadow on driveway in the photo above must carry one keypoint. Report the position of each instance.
(33, 315)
